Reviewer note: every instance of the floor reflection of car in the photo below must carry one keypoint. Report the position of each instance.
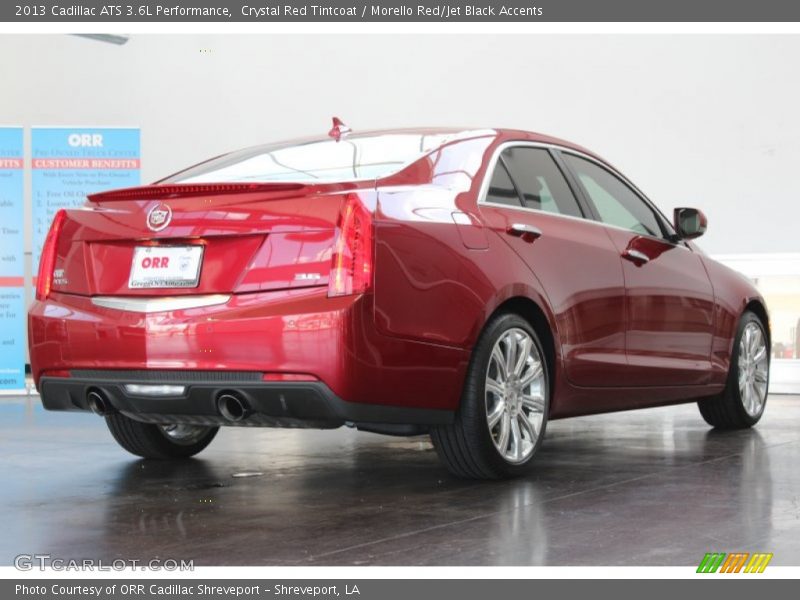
(467, 283)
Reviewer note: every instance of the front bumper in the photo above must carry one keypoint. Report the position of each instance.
(270, 404)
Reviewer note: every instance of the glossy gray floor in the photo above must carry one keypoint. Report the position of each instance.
(653, 487)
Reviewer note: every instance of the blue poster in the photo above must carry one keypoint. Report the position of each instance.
(12, 272)
(71, 162)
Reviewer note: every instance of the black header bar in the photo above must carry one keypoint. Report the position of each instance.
(396, 11)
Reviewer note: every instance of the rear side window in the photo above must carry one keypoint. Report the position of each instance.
(501, 188)
(616, 203)
(539, 182)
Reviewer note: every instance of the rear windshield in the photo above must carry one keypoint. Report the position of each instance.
(352, 158)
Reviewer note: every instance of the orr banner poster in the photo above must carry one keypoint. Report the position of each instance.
(70, 163)
(12, 260)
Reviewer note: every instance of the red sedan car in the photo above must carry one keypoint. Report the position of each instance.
(472, 284)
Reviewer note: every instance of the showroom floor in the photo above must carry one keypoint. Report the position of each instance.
(653, 487)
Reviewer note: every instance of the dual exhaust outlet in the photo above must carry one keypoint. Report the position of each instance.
(230, 405)
(99, 404)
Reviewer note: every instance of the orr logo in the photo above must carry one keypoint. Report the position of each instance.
(736, 562)
(85, 140)
(155, 262)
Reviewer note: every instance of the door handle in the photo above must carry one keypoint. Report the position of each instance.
(524, 231)
(636, 256)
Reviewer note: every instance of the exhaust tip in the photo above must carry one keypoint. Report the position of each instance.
(98, 404)
(232, 407)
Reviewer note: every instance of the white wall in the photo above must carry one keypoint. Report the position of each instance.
(710, 121)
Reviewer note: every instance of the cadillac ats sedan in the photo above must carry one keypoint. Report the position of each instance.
(466, 284)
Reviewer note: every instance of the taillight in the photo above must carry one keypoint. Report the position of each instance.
(47, 262)
(351, 264)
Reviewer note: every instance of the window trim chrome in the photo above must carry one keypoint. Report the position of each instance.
(484, 189)
(150, 305)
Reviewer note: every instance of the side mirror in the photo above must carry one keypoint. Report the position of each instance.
(689, 223)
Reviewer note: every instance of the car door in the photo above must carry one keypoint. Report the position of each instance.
(669, 298)
(530, 205)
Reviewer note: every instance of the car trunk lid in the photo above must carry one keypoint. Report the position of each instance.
(168, 240)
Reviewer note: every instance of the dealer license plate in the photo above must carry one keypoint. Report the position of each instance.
(166, 267)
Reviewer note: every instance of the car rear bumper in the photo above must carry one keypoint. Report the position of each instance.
(273, 404)
(300, 332)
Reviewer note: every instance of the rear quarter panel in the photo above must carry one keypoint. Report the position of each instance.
(436, 280)
(428, 285)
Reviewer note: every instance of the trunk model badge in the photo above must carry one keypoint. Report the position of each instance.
(307, 277)
(159, 217)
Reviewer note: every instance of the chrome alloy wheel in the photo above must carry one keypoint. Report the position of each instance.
(515, 395)
(753, 369)
(182, 434)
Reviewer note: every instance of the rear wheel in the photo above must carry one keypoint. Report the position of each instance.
(742, 402)
(501, 421)
(159, 441)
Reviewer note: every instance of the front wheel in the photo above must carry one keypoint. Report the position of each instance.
(503, 414)
(159, 441)
(742, 402)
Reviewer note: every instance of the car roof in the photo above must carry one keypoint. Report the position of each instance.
(455, 133)
(445, 135)
(462, 133)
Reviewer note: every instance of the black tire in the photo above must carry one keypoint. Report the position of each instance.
(727, 410)
(151, 441)
(467, 447)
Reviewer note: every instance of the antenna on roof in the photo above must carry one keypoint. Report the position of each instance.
(339, 129)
